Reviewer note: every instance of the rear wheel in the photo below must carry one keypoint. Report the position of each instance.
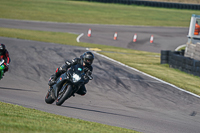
(48, 98)
(64, 93)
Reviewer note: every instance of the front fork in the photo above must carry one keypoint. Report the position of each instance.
(63, 88)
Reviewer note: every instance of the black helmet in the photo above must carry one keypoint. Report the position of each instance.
(87, 58)
(2, 49)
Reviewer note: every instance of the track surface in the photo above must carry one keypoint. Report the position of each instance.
(117, 96)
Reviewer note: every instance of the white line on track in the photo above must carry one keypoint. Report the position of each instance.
(145, 74)
(77, 39)
(180, 47)
(141, 80)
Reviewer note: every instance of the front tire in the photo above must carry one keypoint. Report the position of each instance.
(64, 95)
(48, 98)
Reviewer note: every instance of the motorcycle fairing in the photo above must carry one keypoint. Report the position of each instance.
(66, 78)
(59, 83)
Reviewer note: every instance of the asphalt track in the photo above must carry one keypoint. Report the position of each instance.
(117, 95)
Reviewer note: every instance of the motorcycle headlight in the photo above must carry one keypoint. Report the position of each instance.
(75, 78)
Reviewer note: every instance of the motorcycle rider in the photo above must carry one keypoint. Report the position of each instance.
(197, 28)
(4, 55)
(86, 60)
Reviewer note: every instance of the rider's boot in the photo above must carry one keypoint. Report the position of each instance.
(52, 81)
(53, 78)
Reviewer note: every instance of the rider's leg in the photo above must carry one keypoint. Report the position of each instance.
(82, 91)
(53, 77)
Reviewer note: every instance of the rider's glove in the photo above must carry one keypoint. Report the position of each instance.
(89, 72)
(68, 63)
(75, 61)
(86, 70)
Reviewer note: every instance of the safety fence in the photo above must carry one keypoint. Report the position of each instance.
(177, 60)
(151, 3)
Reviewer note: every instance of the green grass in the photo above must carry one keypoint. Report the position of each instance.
(18, 119)
(182, 48)
(92, 12)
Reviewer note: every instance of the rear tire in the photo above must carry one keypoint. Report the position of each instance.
(48, 98)
(64, 95)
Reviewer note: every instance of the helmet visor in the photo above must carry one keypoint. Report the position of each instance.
(88, 61)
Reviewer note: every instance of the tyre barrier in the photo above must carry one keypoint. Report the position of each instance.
(164, 57)
(151, 3)
(177, 60)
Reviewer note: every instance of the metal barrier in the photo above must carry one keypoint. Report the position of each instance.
(151, 3)
(176, 60)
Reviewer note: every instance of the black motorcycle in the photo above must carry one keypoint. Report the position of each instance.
(68, 84)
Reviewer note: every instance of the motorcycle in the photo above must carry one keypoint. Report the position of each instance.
(2, 67)
(67, 84)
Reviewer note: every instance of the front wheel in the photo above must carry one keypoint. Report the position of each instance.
(64, 93)
(48, 98)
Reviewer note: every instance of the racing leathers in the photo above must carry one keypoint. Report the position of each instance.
(5, 56)
(64, 68)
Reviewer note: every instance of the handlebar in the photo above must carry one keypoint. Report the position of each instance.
(90, 77)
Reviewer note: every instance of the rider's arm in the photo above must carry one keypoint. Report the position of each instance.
(67, 64)
(70, 63)
(7, 58)
(89, 72)
(75, 61)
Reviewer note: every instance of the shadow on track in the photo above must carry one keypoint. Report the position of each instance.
(17, 89)
(103, 112)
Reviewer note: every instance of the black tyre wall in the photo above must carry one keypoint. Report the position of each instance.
(177, 60)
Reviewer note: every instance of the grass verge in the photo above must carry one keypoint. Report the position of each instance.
(93, 12)
(18, 119)
(144, 61)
